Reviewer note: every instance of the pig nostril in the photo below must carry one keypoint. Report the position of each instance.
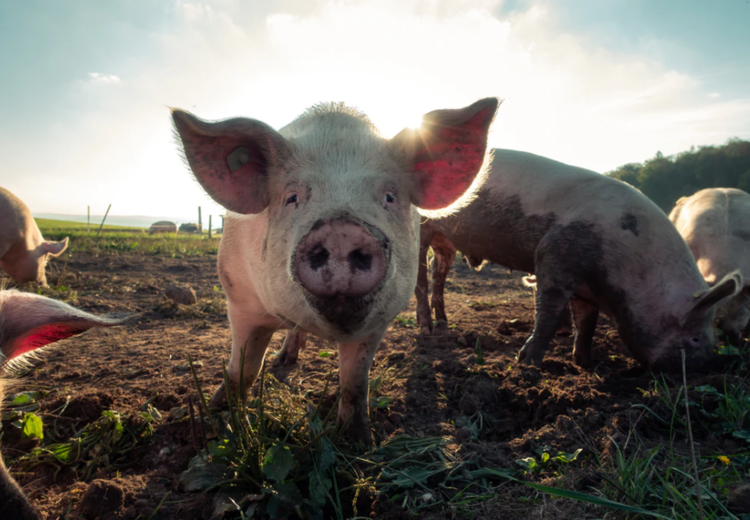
(360, 261)
(318, 257)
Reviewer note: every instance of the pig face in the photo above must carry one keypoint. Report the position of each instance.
(692, 331)
(28, 265)
(339, 255)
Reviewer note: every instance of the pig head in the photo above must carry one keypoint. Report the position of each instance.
(323, 232)
(29, 322)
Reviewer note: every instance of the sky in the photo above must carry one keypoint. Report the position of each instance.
(85, 86)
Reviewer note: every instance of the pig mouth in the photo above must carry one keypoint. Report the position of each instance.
(346, 313)
(695, 362)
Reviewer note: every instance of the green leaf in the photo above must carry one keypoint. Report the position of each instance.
(324, 353)
(529, 464)
(327, 454)
(706, 389)
(202, 475)
(23, 398)
(32, 427)
(567, 458)
(62, 452)
(278, 462)
(383, 402)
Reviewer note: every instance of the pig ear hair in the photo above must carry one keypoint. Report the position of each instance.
(55, 248)
(29, 321)
(449, 155)
(230, 158)
(727, 288)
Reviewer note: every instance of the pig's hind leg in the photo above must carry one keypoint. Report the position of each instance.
(294, 342)
(424, 313)
(585, 316)
(445, 253)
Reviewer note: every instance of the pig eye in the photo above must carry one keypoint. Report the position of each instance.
(291, 198)
(696, 340)
(389, 198)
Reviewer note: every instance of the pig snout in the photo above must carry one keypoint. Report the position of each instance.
(341, 257)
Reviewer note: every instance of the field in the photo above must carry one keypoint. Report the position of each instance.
(462, 432)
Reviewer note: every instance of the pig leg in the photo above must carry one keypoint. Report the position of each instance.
(251, 335)
(355, 360)
(585, 316)
(424, 313)
(558, 274)
(294, 342)
(445, 253)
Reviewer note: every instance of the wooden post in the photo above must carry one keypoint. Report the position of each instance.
(222, 224)
(209, 226)
(88, 218)
(105, 218)
(200, 221)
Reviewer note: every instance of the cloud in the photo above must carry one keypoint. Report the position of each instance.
(567, 96)
(103, 78)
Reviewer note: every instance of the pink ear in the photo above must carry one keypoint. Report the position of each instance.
(29, 321)
(231, 158)
(55, 248)
(448, 152)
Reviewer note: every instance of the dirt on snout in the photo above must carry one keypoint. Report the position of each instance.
(461, 383)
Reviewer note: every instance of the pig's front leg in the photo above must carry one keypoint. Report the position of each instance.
(251, 333)
(355, 360)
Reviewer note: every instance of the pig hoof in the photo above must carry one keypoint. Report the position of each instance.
(359, 434)
(219, 399)
(582, 361)
(284, 359)
(530, 356)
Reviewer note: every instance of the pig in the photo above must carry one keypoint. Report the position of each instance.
(715, 223)
(322, 233)
(591, 241)
(27, 323)
(23, 251)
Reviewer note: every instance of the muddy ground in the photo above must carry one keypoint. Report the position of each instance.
(465, 371)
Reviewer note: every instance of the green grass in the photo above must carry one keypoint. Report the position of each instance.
(171, 245)
(46, 225)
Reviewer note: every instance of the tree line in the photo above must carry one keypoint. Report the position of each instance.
(666, 179)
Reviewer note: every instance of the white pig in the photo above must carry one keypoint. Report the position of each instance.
(28, 322)
(23, 250)
(716, 226)
(323, 230)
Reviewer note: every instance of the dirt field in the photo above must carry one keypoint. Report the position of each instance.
(461, 384)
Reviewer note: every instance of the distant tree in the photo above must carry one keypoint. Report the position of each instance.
(666, 179)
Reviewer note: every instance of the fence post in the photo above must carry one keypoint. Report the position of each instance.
(88, 218)
(209, 226)
(200, 221)
(105, 218)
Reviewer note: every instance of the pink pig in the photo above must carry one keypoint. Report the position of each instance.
(23, 250)
(322, 233)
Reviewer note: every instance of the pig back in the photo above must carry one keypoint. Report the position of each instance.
(527, 195)
(715, 222)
